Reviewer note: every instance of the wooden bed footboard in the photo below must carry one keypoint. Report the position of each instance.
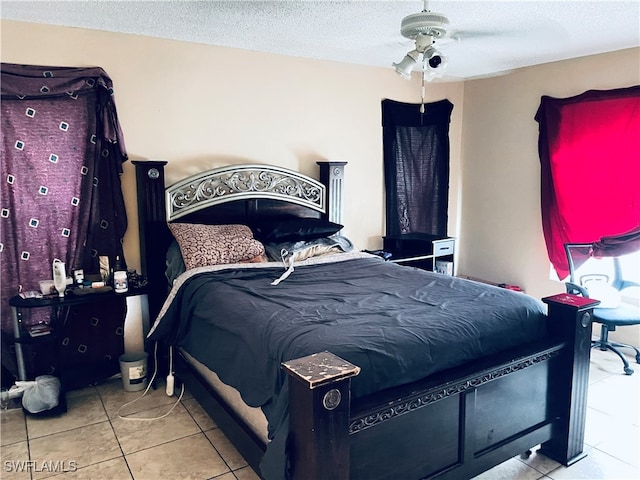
(453, 425)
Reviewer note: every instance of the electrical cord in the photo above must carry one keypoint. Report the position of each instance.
(153, 377)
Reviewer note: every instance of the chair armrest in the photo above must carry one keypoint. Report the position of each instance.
(576, 289)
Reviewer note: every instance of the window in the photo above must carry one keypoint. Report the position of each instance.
(589, 151)
(416, 167)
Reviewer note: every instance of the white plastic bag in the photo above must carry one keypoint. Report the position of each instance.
(43, 395)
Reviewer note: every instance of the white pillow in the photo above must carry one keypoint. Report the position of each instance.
(609, 297)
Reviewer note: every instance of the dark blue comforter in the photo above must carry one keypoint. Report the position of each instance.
(398, 324)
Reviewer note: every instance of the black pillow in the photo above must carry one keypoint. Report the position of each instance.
(174, 262)
(295, 229)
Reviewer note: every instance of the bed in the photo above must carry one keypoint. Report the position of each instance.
(323, 364)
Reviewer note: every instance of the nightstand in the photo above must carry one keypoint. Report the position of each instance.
(59, 311)
(428, 252)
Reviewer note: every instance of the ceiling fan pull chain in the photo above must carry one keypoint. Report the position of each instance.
(422, 92)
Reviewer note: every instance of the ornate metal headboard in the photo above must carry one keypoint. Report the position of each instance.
(248, 185)
(242, 182)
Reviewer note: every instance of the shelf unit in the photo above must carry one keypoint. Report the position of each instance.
(422, 250)
(59, 310)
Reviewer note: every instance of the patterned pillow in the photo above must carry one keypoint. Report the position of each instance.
(203, 245)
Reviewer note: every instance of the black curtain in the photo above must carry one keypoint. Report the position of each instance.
(416, 166)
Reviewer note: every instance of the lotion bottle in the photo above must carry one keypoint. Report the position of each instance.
(59, 276)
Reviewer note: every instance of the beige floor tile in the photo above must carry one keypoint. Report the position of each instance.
(617, 396)
(510, 470)
(596, 374)
(598, 425)
(52, 468)
(81, 392)
(596, 465)
(623, 443)
(203, 420)
(246, 473)
(226, 449)
(538, 461)
(135, 435)
(15, 462)
(226, 476)
(13, 426)
(115, 469)
(83, 446)
(83, 408)
(190, 458)
(609, 363)
(629, 383)
(115, 398)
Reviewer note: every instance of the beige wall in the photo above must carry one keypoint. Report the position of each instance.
(501, 233)
(200, 106)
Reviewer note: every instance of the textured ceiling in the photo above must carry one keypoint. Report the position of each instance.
(493, 36)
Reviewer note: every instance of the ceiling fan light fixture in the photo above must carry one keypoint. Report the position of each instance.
(405, 66)
(424, 28)
(434, 63)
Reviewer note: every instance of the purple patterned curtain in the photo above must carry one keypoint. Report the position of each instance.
(62, 155)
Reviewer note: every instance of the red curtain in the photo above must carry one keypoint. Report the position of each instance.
(616, 245)
(589, 147)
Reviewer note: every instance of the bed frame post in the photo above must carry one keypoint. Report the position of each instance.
(571, 316)
(332, 177)
(152, 224)
(319, 409)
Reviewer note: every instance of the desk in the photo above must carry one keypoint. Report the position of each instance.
(59, 311)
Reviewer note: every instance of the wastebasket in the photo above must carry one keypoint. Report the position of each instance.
(133, 367)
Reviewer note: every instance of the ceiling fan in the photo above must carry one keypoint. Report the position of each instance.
(425, 29)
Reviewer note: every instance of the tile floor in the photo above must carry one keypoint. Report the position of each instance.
(92, 442)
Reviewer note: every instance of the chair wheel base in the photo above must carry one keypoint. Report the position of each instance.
(638, 358)
(525, 455)
(628, 370)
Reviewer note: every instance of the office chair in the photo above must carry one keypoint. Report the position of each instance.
(601, 278)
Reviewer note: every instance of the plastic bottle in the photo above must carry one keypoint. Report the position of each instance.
(120, 282)
(59, 276)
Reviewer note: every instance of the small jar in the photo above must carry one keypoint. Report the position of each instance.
(120, 283)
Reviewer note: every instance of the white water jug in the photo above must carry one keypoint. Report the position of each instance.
(59, 276)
